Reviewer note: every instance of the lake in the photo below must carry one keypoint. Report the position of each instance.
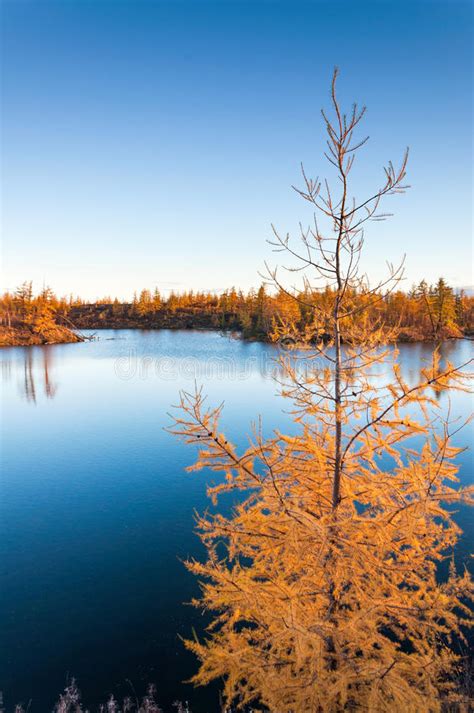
(97, 510)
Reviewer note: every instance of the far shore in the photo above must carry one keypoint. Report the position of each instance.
(23, 336)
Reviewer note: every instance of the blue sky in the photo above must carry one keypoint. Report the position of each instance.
(152, 143)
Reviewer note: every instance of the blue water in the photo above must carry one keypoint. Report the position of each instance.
(97, 511)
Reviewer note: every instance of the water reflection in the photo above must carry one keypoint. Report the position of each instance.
(34, 366)
(34, 369)
(29, 381)
(97, 512)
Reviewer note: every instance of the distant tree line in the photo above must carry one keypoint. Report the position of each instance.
(424, 312)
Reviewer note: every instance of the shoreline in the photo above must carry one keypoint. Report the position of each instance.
(24, 337)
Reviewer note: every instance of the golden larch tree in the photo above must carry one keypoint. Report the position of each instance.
(323, 581)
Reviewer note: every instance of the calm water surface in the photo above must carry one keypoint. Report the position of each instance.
(97, 511)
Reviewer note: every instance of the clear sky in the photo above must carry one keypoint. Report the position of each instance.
(152, 143)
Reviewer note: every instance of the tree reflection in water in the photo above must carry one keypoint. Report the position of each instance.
(37, 372)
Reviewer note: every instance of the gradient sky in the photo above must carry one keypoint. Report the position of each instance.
(152, 143)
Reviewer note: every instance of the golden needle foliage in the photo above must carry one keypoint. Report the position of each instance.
(323, 580)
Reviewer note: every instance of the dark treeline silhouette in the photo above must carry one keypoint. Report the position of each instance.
(426, 312)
